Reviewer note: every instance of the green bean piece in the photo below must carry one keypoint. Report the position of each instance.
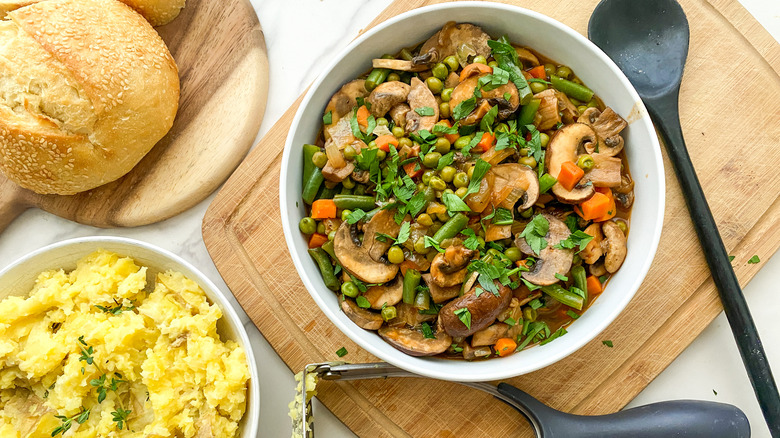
(527, 112)
(326, 268)
(571, 89)
(453, 226)
(327, 193)
(566, 297)
(546, 182)
(308, 165)
(312, 186)
(422, 300)
(376, 77)
(580, 282)
(411, 281)
(345, 190)
(406, 54)
(328, 248)
(353, 202)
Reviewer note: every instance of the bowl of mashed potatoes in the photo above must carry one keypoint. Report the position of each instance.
(108, 336)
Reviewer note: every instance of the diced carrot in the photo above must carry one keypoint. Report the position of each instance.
(538, 72)
(612, 210)
(316, 240)
(595, 207)
(408, 264)
(570, 175)
(362, 116)
(594, 285)
(486, 142)
(450, 137)
(410, 169)
(473, 69)
(505, 346)
(522, 264)
(383, 142)
(323, 209)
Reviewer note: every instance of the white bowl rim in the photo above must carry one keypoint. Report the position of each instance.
(473, 374)
(252, 424)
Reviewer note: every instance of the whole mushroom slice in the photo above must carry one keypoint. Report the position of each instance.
(461, 40)
(382, 222)
(489, 335)
(593, 250)
(482, 308)
(388, 294)
(413, 342)
(386, 96)
(565, 146)
(421, 100)
(346, 98)
(354, 257)
(334, 174)
(398, 114)
(449, 268)
(608, 126)
(615, 246)
(440, 294)
(527, 57)
(496, 96)
(551, 260)
(364, 319)
(523, 181)
(398, 65)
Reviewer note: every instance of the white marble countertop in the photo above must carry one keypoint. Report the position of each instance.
(301, 35)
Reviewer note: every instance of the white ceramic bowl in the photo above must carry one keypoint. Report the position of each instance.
(18, 279)
(551, 39)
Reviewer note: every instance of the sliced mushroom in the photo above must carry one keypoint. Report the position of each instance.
(414, 343)
(408, 315)
(461, 40)
(624, 194)
(593, 250)
(346, 98)
(386, 96)
(420, 98)
(489, 335)
(564, 146)
(597, 269)
(527, 57)
(334, 174)
(340, 132)
(449, 268)
(496, 96)
(440, 294)
(547, 116)
(388, 294)
(361, 176)
(519, 177)
(615, 246)
(398, 114)
(354, 257)
(398, 65)
(608, 126)
(382, 222)
(605, 172)
(551, 260)
(365, 319)
(482, 307)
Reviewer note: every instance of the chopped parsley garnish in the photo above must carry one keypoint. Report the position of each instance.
(363, 302)
(534, 330)
(558, 333)
(454, 203)
(607, 343)
(506, 56)
(431, 242)
(503, 216)
(425, 111)
(443, 129)
(356, 216)
(572, 314)
(486, 124)
(731, 258)
(534, 233)
(116, 309)
(464, 108)
(472, 241)
(427, 331)
(327, 119)
(571, 222)
(753, 260)
(530, 286)
(445, 160)
(456, 348)
(416, 203)
(576, 239)
(480, 169)
(464, 316)
(341, 352)
(561, 277)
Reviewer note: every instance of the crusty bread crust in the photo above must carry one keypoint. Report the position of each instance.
(157, 12)
(87, 89)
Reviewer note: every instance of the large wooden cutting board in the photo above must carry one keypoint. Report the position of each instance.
(223, 68)
(731, 120)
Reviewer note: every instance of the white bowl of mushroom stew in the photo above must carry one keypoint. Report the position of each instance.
(535, 209)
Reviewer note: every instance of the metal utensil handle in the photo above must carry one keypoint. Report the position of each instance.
(665, 113)
(683, 418)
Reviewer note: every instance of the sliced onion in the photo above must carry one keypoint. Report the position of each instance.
(335, 157)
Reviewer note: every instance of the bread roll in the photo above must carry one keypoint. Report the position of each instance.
(87, 89)
(157, 12)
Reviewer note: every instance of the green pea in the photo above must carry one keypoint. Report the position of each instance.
(389, 312)
(525, 214)
(537, 87)
(545, 139)
(563, 72)
(513, 253)
(348, 183)
(582, 108)
(623, 226)
(440, 71)
(434, 84)
(461, 192)
(349, 152)
(398, 131)
(524, 152)
(349, 289)
(549, 70)
(427, 175)
(530, 314)
(461, 179)
(442, 216)
(320, 159)
(332, 235)
(479, 59)
(307, 225)
(372, 144)
(502, 127)
(381, 121)
(448, 173)
(576, 259)
(380, 154)
(528, 161)
(421, 186)
(404, 141)
(345, 213)
(462, 142)
(419, 246)
(445, 191)
(393, 77)
(493, 64)
(442, 145)
(585, 162)
(395, 255)
(451, 62)
(425, 220)
(593, 103)
(438, 183)
(470, 172)
(320, 228)
(446, 94)
(444, 110)
(431, 159)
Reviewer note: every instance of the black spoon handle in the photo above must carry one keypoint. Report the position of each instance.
(664, 112)
(682, 418)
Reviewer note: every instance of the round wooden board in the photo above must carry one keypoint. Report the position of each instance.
(223, 67)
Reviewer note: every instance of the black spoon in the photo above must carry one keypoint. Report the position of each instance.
(648, 40)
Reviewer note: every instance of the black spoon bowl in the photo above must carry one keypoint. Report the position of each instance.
(648, 40)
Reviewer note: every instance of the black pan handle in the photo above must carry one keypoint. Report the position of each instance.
(670, 419)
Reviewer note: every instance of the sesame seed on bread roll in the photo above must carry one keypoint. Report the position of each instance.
(88, 88)
(156, 12)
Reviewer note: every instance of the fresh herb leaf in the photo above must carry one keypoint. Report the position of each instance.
(403, 233)
(366, 157)
(444, 129)
(535, 232)
(486, 124)
(356, 216)
(427, 331)
(120, 417)
(454, 203)
(431, 242)
(753, 260)
(507, 96)
(464, 108)
(561, 277)
(425, 111)
(327, 119)
(607, 343)
(715, 392)
(416, 203)
(464, 316)
(474, 141)
(546, 182)
(576, 239)
(571, 222)
(480, 169)
(510, 322)
(341, 352)
(577, 291)
(503, 216)
(446, 160)
(603, 279)
(530, 286)
(456, 349)
(537, 329)
(363, 302)
(558, 333)
(472, 241)
(506, 56)
(731, 258)
(572, 314)
(535, 304)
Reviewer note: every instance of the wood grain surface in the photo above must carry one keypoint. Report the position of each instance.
(223, 67)
(731, 121)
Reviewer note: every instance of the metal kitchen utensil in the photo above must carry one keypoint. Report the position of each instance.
(680, 418)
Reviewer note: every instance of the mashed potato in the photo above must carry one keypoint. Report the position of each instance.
(88, 346)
